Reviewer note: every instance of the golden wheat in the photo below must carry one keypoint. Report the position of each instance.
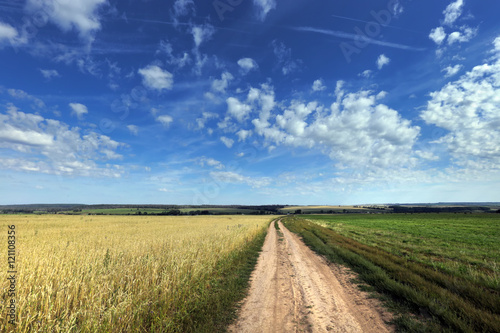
(112, 273)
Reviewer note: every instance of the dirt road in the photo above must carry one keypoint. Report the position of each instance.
(295, 290)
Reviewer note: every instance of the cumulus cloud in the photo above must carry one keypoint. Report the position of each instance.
(382, 60)
(366, 74)
(227, 141)
(397, 8)
(318, 85)
(79, 110)
(468, 109)
(156, 78)
(133, 129)
(453, 11)
(211, 163)
(264, 7)
(496, 44)
(52, 147)
(49, 73)
(284, 57)
(243, 134)
(356, 130)
(21, 94)
(7, 33)
(462, 36)
(205, 117)
(438, 35)
(79, 15)
(236, 178)
(183, 7)
(179, 61)
(452, 70)
(202, 33)
(165, 120)
(237, 109)
(221, 85)
(247, 64)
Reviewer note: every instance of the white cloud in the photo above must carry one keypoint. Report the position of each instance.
(453, 12)
(461, 37)
(133, 129)
(165, 120)
(427, 155)
(205, 117)
(237, 109)
(243, 134)
(496, 44)
(318, 85)
(79, 15)
(49, 73)
(247, 64)
(183, 7)
(21, 94)
(451, 71)
(284, 57)
(468, 109)
(49, 146)
(179, 61)
(264, 7)
(366, 74)
(211, 162)
(155, 78)
(356, 131)
(438, 35)
(202, 33)
(79, 110)
(222, 84)
(7, 32)
(236, 178)
(227, 141)
(397, 9)
(382, 61)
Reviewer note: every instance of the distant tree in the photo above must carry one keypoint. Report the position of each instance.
(298, 211)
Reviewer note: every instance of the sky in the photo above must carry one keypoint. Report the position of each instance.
(249, 101)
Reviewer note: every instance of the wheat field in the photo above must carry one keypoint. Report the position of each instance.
(118, 273)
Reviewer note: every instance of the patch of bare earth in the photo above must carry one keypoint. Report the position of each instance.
(295, 290)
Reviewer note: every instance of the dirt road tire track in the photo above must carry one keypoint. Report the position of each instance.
(295, 290)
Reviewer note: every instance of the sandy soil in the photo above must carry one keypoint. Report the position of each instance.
(295, 290)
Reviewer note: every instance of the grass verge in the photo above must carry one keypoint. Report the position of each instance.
(457, 304)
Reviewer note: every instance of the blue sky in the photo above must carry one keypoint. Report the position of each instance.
(249, 101)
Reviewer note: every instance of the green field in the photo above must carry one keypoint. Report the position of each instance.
(464, 245)
(446, 266)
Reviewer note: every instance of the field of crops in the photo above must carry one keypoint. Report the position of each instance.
(443, 266)
(129, 273)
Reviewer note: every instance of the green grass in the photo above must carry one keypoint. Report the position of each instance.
(395, 255)
(464, 245)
